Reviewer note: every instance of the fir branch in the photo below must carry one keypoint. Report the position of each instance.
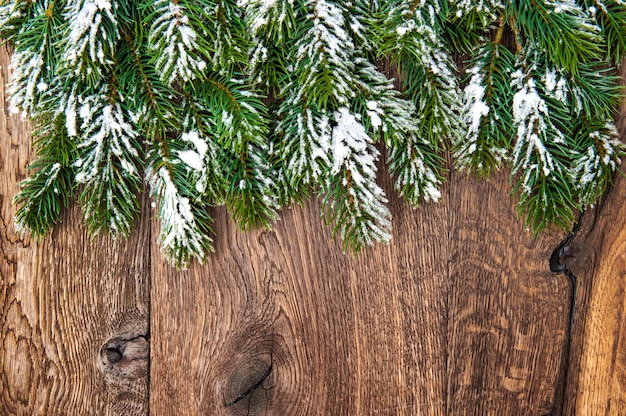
(271, 26)
(305, 134)
(185, 221)
(34, 61)
(439, 102)
(542, 148)
(13, 14)
(227, 35)
(475, 15)
(361, 18)
(415, 163)
(109, 163)
(92, 38)
(154, 101)
(411, 35)
(417, 168)
(353, 202)
(43, 195)
(487, 111)
(175, 34)
(185, 224)
(594, 164)
(561, 28)
(610, 16)
(317, 114)
(322, 79)
(240, 115)
(250, 196)
(204, 154)
(470, 20)
(284, 189)
(321, 58)
(595, 92)
(240, 124)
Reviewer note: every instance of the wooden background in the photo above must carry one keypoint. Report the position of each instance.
(460, 315)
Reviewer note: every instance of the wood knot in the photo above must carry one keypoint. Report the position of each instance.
(125, 356)
(249, 387)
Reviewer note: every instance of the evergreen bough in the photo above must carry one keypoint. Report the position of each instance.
(258, 104)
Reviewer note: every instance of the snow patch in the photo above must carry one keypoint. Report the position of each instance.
(194, 158)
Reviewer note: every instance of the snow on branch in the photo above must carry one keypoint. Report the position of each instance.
(174, 42)
(92, 38)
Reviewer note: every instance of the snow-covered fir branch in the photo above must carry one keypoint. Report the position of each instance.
(593, 169)
(414, 164)
(201, 155)
(271, 25)
(485, 145)
(240, 126)
(13, 14)
(108, 165)
(359, 18)
(251, 197)
(535, 130)
(185, 224)
(174, 41)
(543, 146)
(180, 237)
(322, 79)
(413, 161)
(49, 188)
(306, 133)
(229, 39)
(37, 214)
(27, 81)
(255, 104)
(34, 61)
(354, 203)
(561, 28)
(482, 13)
(327, 49)
(610, 16)
(92, 38)
(410, 33)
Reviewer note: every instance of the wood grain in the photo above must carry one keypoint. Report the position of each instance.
(508, 313)
(63, 301)
(459, 315)
(599, 263)
(598, 260)
(343, 335)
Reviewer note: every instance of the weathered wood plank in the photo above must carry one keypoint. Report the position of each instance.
(63, 302)
(508, 313)
(598, 361)
(598, 358)
(387, 332)
(342, 335)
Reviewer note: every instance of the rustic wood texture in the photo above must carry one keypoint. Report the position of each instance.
(508, 312)
(598, 260)
(460, 315)
(598, 359)
(342, 335)
(73, 310)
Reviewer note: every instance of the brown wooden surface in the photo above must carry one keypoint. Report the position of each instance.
(598, 359)
(460, 315)
(63, 302)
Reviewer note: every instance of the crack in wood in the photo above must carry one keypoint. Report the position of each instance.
(250, 390)
(558, 265)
